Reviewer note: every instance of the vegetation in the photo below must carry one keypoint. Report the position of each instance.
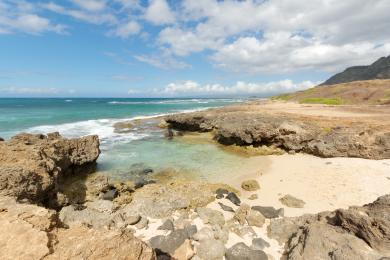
(326, 101)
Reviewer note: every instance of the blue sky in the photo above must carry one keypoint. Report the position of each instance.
(130, 48)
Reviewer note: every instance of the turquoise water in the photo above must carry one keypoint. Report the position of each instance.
(145, 143)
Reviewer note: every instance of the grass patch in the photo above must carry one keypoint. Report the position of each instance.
(325, 101)
(285, 97)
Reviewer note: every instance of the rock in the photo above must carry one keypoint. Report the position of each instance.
(167, 225)
(110, 194)
(211, 216)
(132, 219)
(250, 185)
(123, 127)
(204, 234)
(221, 192)
(143, 223)
(354, 233)
(219, 196)
(169, 134)
(2, 139)
(31, 166)
(185, 251)
(255, 218)
(225, 208)
(163, 124)
(100, 206)
(221, 233)
(140, 182)
(81, 242)
(169, 244)
(210, 249)
(269, 212)
(241, 251)
(242, 213)
(292, 202)
(233, 198)
(72, 216)
(191, 230)
(259, 244)
(253, 197)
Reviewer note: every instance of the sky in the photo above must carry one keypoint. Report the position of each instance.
(189, 48)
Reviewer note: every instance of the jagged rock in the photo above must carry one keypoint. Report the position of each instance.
(355, 233)
(225, 208)
(241, 213)
(292, 202)
(32, 165)
(167, 225)
(210, 249)
(241, 251)
(269, 212)
(170, 243)
(250, 185)
(255, 218)
(211, 216)
(233, 198)
(259, 244)
(80, 242)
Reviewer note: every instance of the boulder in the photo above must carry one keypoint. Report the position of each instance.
(211, 216)
(210, 249)
(269, 212)
(233, 198)
(170, 243)
(241, 251)
(292, 202)
(250, 185)
(31, 166)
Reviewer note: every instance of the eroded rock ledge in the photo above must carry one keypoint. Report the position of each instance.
(320, 136)
(32, 166)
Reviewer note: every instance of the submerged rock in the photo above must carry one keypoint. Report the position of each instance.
(250, 185)
(123, 127)
(292, 202)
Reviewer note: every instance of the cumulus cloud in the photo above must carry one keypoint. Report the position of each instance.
(240, 88)
(159, 13)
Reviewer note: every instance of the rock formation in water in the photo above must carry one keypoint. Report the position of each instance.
(380, 69)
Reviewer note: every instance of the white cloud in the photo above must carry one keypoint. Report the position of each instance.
(162, 62)
(240, 88)
(127, 29)
(159, 13)
(91, 5)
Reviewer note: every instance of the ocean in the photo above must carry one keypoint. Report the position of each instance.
(144, 144)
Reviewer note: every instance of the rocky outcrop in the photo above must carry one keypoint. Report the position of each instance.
(354, 233)
(380, 69)
(33, 232)
(31, 166)
(312, 135)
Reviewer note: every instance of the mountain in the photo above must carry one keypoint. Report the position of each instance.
(380, 69)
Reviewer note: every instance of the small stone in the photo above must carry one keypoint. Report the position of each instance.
(269, 212)
(211, 216)
(250, 185)
(1, 139)
(110, 195)
(211, 249)
(132, 219)
(233, 198)
(292, 202)
(219, 196)
(221, 191)
(259, 244)
(241, 251)
(167, 225)
(226, 208)
(255, 218)
(242, 213)
(143, 223)
(253, 197)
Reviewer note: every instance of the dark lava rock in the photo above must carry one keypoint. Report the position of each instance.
(259, 244)
(269, 212)
(168, 244)
(233, 198)
(221, 191)
(1, 139)
(110, 194)
(167, 225)
(240, 251)
(226, 208)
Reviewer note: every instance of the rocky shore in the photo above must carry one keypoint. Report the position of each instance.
(51, 207)
(318, 130)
